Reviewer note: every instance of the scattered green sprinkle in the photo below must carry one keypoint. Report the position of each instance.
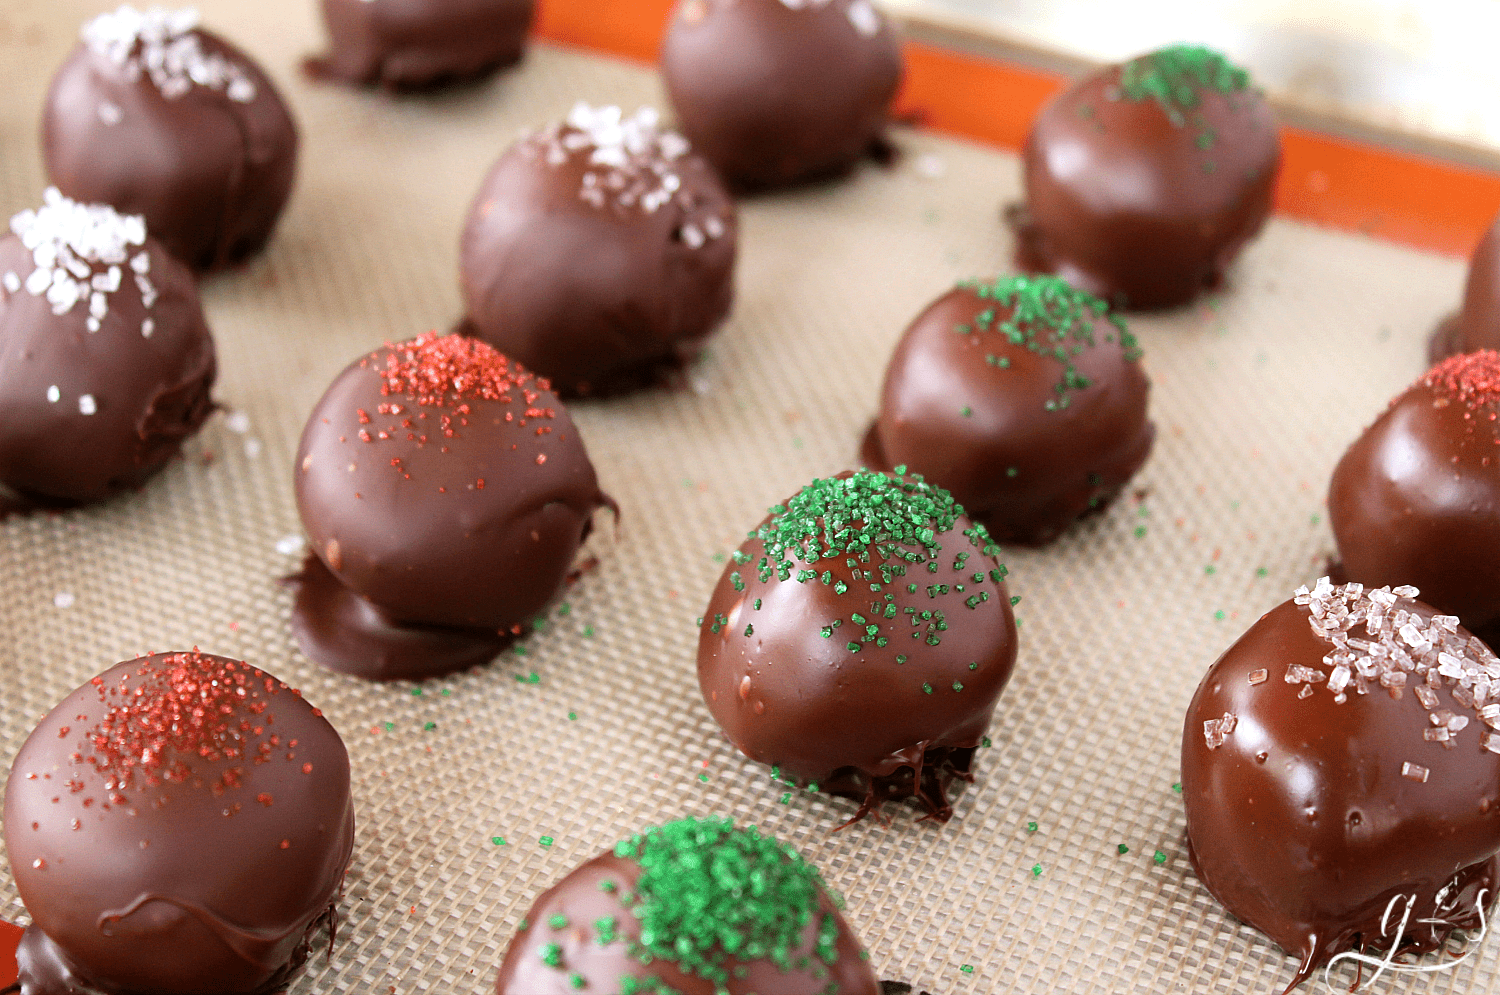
(786, 799)
(1176, 78)
(521, 650)
(957, 686)
(416, 692)
(1210, 570)
(1140, 531)
(1036, 871)
(1031, 827)
(966, 411)
(552, 955)
(498, 840)
(1316, 519)
(588, 632)
(703, 777)
(1177, 787)
(1012, 471)
(564, 609)
(546, 841)
(1220, 615)
(926, 688)
(390, 726)
(558, 921)
(1262, 572)
(985, 742)
(967, 968)
(1159, 857)
(605, 928)
(719, 557)
(429, 727)
(575, 980)
(572, 716)
(1122, 848)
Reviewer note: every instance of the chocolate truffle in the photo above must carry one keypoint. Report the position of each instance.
(695, 907)
(1023, 397)
(599, 252)
(1145, 180)
(1416, 499)
(1341, 778)
(105, 360)
(1477, 325)
(156, 117)
(776, 92)
(410, 44)
(860, 638)
(446, 493)
(180, 825)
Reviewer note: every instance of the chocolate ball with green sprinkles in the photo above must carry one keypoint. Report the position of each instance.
(694, 907)
(1024, 397)
(1145, 180)
(859, 640)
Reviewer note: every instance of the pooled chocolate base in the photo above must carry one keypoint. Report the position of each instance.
(405, 45)
(940, 767)
(44, 968)
(344, 632)
(1438, 912)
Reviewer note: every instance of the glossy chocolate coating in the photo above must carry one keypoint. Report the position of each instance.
(1416, 499)
(865, 721)
(1305, 822)
(195, 873)
(996, 436)
(1142, 208)
(145, 394)
(210, 173)
(583, 902)
(474, 530)
(412, 44)
(1477, 325)
(602, 290)
(775, 92)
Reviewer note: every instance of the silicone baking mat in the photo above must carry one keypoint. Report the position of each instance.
(476, 792)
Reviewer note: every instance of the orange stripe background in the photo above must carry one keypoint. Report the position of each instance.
(1349, 185)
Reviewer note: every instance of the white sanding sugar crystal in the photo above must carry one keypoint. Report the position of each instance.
(79, 251)
(165, 45)
(632, 164)
(1380, 645)
(87, 405)
(864, 18)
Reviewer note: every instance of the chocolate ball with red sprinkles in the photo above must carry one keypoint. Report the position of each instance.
(446, 493)
(179, 825)
(777, 92)
(1341, 776)
(1024, 397)
(106, 362)
(694, 907)
(1416, 499)
(415, 44)
(158, 117)
(599, 252)
(859, 640)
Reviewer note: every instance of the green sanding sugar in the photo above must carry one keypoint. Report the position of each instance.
(709, 892)
(1176, 77)
(1050, 317)
(873, 528)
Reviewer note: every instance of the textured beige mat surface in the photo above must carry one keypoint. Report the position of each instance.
(1256, 394)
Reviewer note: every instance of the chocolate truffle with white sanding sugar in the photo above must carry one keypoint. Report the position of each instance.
(1145, 180)
(694, 907)
(599, 252)
(1023, 397)
(859, 640)
(411, 44)
(776, 92)
(106, 362)
(1341, 776)
(179, 825)
(445, 493)
(157, 117)
(1416, 499)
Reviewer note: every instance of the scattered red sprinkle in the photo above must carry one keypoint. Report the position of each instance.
(286, 844)
(307, 768)
(541, 458)
(1471, 377)
(264, 798)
